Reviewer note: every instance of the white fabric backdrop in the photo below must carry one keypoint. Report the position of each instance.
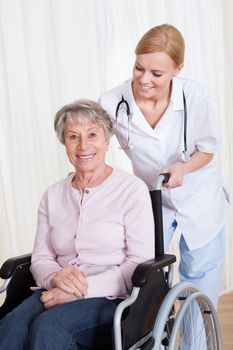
(55, 51)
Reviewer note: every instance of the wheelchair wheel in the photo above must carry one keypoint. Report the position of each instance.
(186, 320)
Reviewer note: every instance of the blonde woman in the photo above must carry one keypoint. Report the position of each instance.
(166, 123)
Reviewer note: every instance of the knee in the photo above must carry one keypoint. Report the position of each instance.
(42, 323)
(14, 332)
(37, 326)
(15, 320)
(43, 330)
(190, 273)
(46, 333)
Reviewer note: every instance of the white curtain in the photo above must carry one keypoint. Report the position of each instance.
(55, 51)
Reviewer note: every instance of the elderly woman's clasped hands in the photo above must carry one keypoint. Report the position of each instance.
(68, 284)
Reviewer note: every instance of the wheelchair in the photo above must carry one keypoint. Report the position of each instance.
(158, 315)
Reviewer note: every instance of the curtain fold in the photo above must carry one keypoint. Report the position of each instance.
(55, 51)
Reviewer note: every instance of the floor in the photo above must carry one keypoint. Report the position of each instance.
(225, 314)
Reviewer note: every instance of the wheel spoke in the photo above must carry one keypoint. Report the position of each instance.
(186, 321)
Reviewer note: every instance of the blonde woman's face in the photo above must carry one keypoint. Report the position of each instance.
(152, 74)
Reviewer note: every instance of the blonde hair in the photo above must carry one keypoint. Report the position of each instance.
(164, 38)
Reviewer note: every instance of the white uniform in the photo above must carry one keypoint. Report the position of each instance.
(200, 205)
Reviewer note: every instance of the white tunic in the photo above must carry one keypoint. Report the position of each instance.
(200, 204)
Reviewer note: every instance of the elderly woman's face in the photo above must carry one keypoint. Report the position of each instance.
(86, 145)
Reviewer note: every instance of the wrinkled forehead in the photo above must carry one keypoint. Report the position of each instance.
(79, 119)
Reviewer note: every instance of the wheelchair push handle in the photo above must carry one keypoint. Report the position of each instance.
(163, 178)
(156, 200)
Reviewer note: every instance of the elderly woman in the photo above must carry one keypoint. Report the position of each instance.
(94, 227)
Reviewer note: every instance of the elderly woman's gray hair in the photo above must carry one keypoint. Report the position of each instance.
(82, 111)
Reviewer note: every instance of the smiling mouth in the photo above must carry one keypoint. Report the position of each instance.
(86, 156)
(145, 88)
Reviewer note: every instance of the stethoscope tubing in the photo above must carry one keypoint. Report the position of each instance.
(184, 154)
(185, 123)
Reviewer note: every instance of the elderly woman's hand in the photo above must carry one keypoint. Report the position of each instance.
(70, 280)
(56, 296)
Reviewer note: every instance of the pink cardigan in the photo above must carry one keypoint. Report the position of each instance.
(105, 234)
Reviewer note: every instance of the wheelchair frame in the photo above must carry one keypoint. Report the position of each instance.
(185, 319)
(178, 317)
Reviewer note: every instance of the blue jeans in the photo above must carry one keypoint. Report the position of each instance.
(81, 324)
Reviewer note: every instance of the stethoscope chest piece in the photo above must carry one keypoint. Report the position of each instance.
(185, 156)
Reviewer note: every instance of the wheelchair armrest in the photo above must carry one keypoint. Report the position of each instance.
(143, 270)
(11, 264)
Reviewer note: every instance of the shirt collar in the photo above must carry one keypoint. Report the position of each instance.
(177, 94)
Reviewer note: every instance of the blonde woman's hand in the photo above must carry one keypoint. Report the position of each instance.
(177, 172)
(179, 169)
(70, 280)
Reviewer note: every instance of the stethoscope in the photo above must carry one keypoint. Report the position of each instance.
(185, 157)
(129, 116)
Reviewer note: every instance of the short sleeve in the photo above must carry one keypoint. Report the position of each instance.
(207, 137)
